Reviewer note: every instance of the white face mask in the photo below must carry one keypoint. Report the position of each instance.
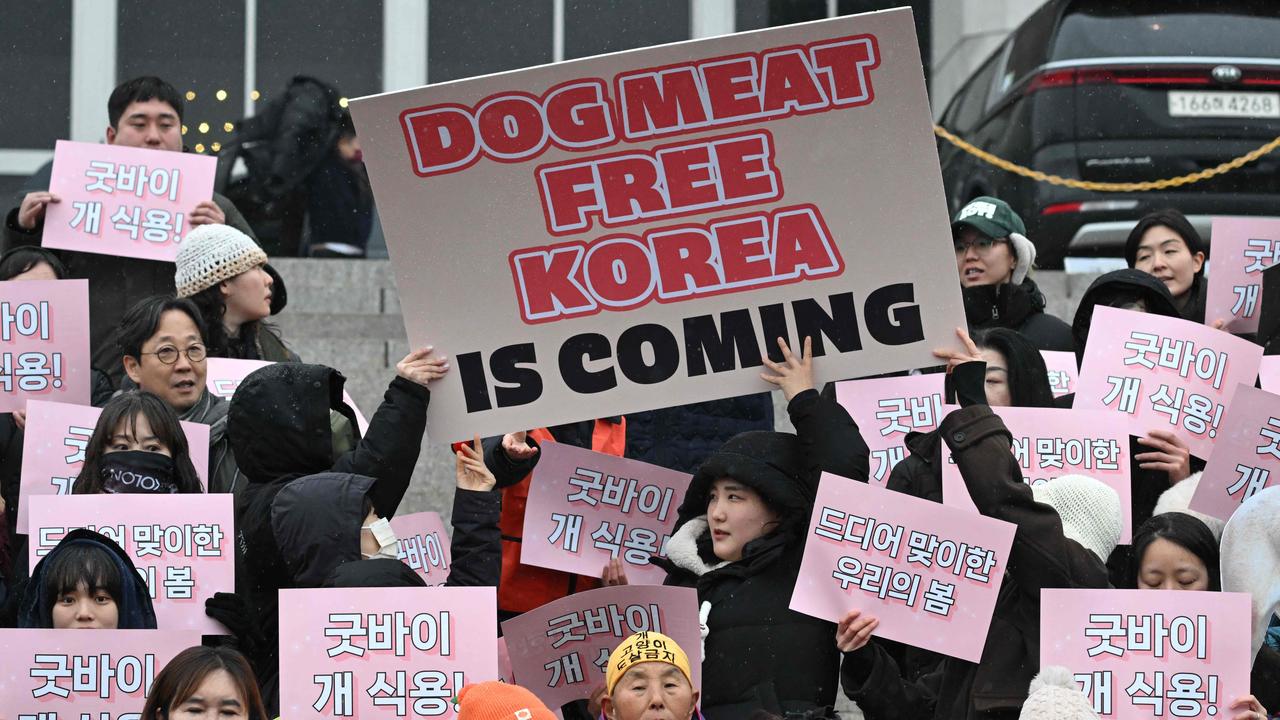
(388, 546)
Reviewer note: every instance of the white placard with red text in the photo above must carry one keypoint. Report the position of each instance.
(44, 342)
(886, 409)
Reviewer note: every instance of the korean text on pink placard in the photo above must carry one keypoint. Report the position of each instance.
(1246, 459)
(1242, 248)
(384, 652)
(1164, 373)
(587, 508)
(423, 545)
(104, 674)
(44, 342)
(125, 201)
(930, 573)
(560, 650)
(181, 545)
(1141, 654)
(1064, 373)
(886, 409)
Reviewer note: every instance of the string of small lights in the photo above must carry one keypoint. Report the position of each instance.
(203, 128)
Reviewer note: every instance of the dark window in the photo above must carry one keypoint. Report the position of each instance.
(35, 74)
(1230, 28)
(336, 41)
(751, 15)
(1030, 47)
(973, 98)
(592, 27)
(477, 37)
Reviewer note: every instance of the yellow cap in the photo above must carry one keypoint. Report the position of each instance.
(645, 647)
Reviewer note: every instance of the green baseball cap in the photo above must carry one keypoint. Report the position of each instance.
(990, 216)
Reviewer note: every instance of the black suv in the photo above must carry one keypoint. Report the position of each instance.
(1122, 90)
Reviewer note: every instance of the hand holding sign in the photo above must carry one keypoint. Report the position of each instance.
(421, 366)
(792, 376)
(207, 212)
(472, 472)
(854, 630)
(1171, 455)
(31, 211)
(955, 358)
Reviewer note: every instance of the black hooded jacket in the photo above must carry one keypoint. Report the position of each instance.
(1017, 307)
(133, 607)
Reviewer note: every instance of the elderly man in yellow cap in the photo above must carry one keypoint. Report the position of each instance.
(648, 678)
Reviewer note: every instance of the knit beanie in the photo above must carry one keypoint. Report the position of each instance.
(495, 700)
(211, 254)
(1178, 499)
(1054, 695)
(1090, 511)
(1251, 557)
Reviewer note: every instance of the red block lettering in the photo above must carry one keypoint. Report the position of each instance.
(618, 272)
(660, 102)
(511, 127)
(578, 115)
(789, 83)
(630, 186)
(844, 65)
(801, 243)
(685, 261)
(546, 281)
(731, 88)
(441, 139)
(744, 250)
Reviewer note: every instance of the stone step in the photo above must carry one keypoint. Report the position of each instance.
(334, 273)
(296, 327)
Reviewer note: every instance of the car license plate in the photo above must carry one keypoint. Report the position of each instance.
(1221, 103)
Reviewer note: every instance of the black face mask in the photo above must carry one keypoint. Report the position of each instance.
(137, 471)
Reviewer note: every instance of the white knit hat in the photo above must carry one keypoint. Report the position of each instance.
(1054, 695)
(1251, 557)
(211, 254)
(1090, 511)
(1178, 499)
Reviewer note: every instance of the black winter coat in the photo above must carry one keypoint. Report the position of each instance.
(1017, 307)
(1041, 557)
(680, 437)
(133, 607)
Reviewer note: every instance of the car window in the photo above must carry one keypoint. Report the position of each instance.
(1147, 28)
(973, 102)
(1029, 48)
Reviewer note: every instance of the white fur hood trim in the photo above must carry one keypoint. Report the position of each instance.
(682, 548)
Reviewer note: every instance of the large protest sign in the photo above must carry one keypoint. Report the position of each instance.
(54, 445)
(384, 652)
(1050, 443)
(1064, 373)
(125, 201)
(635, 230)
(1242, 248)
(423, 545)
(1141, 654)
(560, 650)
(224, 375)
(1163, 373)
(1269, 373)
(44, 342)
(930, 573)
(102, 674)
(1246, 458)
(586, 508)
(886, 409)
(182, 545)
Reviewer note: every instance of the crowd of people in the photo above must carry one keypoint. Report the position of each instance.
(313, 495)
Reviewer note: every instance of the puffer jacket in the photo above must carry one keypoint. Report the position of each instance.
(1017, 307)
(680, 437)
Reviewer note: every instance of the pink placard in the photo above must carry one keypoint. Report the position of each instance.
(505, 673)
(930, 573)
(124, 201)
(1242, 248)
(182, 545)
(1246, 458)
(1140, 654)
(384, 652)
(224, 375)
(886, 409)
(1166, 373)
(423, 545)
(44, 342)
(1064, 373)
(1050, 443)
(54, 444)
(99, 674)
(559, 651)
(586, 508)
(1269, 373)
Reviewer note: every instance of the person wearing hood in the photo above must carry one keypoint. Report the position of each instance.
(995, 259)
(1166, 245)
(739, 539)
(86, 582)
(1250, 563)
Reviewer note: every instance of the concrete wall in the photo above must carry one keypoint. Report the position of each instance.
(965, 32)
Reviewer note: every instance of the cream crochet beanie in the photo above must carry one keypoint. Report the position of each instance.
(1251, 557)
(1090, 511)
(211, 254)
(1054, 695)
(1178, 499)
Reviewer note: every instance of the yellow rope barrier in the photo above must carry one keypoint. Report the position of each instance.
(1105, 186)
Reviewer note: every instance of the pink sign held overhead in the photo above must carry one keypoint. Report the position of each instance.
(423, 545)
(102, 674)
(930, 573)
(1050, 443)
(384, 652)
(560, 650)
(1163, 373)
(124, 201)
(1242, 248)
(44, 342)
(54, 444)
(1140, 654)
(182, 545)
(1064, 373)
(224, 375)
(886, 409)
(587, 508)
(1246, 459)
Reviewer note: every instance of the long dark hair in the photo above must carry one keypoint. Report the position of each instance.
(164, 423)
(1171, 219)
(213, 307)
(25, 257)
(1183, 530)
(182, 677)
(1028, 376)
